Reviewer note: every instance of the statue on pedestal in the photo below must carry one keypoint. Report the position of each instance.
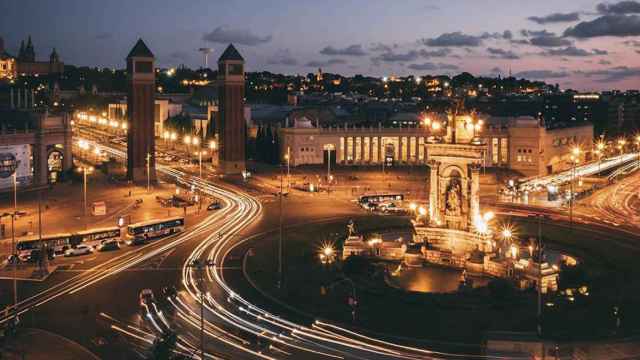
(453, 202)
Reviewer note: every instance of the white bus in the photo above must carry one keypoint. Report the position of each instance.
(58, 242)
(143, 231)
(95, 237)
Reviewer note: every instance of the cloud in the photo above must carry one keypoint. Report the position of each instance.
(282, 57)
(497, 53)
(541, 74)
(179, 55)
(104, 36)
(326, 63)
(496, 70)
(223, 35)
(573, 51)
(637, 51)
(612, 74)
(634, 43)
(411, 55)
(507, 34)
(380, 47)
(454, 39)
(536, 33)
(428, 66)
(604, 62)
(608, 25)
(435, 53)
(549, 41)
(353, 50)
(555, 18)
(621, 8)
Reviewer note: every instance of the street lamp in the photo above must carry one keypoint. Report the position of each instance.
(213, 146)
(600, 148)
(327, 254)
(85, 170)
(575, 158)
(200, 153)
(621, 143)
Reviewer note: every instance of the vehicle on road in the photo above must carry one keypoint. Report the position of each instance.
(109, 245)
(147, 230)
(146, 298)
(95, 237)
(81, 249)
(169, 292)
(58, 242)
(216, 205)
(366, 200)
(390, 208)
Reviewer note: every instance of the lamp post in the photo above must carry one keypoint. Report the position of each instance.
(148, 173)
(600, 147)
(213, 146)
(575, 157)
(287, 157)
(200, 266)
(173, 139)
(85, 170)
(638, 149)
(187, 142)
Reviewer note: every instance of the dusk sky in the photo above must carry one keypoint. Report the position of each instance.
(582, 44)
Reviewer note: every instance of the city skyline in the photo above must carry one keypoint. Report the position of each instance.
(557, 42)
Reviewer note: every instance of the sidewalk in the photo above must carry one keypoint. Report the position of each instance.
(36, 344)
(62, 207)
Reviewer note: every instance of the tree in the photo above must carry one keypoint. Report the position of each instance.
(181, 123)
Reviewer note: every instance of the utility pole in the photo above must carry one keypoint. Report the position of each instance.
(280, 247)
(200, 266)
(148, 172)
(540, 275)
(13, 241)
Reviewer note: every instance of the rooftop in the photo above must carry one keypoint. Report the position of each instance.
(231, 53)
(140, 49)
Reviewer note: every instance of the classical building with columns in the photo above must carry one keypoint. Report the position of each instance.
(522, 144)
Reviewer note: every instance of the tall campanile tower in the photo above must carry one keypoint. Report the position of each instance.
(140, 110)
(232, 134)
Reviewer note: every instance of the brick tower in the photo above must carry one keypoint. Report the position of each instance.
(232, 133)
(140, 110)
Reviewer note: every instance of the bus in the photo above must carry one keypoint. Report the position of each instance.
(142, 231)
(95, 237)
(58, 242)
(366, 201)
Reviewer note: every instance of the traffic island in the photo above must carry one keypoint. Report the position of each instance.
(319, 285)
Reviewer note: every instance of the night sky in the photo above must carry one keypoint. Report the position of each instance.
(582, 44)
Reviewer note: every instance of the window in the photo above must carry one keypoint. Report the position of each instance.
(504, 150)
(341, 152)
(367, 145)
(358, 148)
(349, 148)
(404, 149)
(234, 69)
(495, 151)
(144, 67)
(376, 149)
(412, 149)
(421, 148)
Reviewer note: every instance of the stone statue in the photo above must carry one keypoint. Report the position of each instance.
(351, 228)
(453, 200)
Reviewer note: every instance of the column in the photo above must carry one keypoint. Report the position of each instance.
(434, 206)
(474, 197)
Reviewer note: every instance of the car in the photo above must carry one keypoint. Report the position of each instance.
(146, 298)
(391, 207)
(214, 206)
(169, 292)
(79, 250)
(109, 245)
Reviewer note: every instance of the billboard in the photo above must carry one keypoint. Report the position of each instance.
(15, 158)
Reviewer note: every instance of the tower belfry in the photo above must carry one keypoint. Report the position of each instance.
(232, 133)
(140, 111)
